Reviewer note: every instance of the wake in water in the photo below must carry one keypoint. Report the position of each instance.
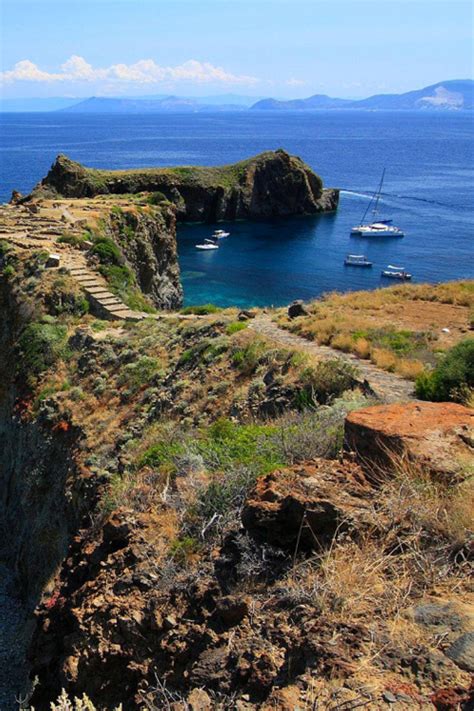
(369, 195)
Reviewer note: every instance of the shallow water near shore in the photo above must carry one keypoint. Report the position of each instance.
(428, 191)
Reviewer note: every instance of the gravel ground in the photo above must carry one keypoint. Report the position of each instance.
(13, 672)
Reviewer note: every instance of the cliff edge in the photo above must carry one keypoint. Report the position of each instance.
(271, 184)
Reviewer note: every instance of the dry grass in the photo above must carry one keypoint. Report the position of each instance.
(400, 328)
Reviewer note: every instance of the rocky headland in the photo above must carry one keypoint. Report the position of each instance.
(272, 184)
(196, 511)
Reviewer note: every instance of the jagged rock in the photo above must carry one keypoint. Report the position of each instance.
(461, 652)
(296, 309)
(245, 315)
(232, 610)
(16, 197)
(437, 436)
(268, 185)
(306, 504)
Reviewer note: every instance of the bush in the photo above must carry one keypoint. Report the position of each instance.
(73, 240)
(107, 251)
(156, 198)
(327, 380)
(40, 345)
(201, 309)
(453, 377)
(8, 271)
(246, 359)
(137, 374)
(235, 327)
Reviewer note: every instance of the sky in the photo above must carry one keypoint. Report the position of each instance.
(281, 48)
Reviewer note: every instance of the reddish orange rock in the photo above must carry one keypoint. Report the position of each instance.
(438, 436)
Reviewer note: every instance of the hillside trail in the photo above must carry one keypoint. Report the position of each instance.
(388, 387)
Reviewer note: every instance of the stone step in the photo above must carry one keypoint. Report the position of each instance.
(118, 307)
(98, 292)
(111, 301)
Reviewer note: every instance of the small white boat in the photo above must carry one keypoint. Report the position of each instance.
(376, 228)
(207, 245)
(219, 234)
(392, 272)
(357, 260)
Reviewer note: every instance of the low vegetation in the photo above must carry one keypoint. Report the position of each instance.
(402, 329)
(452, 378)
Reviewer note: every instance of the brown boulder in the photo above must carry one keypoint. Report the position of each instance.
(437, 436)
(304, 505)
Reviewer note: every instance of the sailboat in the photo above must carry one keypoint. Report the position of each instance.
(376, 228)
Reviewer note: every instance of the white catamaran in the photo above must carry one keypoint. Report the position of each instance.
(376, 228)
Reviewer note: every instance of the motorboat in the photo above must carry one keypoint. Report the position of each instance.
(357, 260)
(219, 234)
(207, 245)
(392, 272)
(377, 227)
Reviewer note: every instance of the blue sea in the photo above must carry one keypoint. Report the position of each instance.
(428, 191)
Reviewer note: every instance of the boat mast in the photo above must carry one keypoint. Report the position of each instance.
(377, 198)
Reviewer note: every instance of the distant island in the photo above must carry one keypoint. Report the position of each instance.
(451, 95)
(456, 94)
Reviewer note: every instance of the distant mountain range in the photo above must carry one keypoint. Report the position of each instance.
(100, 105)
(155, 103)
(455, 94)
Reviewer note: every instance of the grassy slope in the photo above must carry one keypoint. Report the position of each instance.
(400, 328)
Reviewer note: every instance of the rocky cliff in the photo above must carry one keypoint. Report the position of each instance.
(272, 184)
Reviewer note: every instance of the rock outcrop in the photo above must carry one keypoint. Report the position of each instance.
(436, 436)
(303, 506)
(272, 184)
(152, 253)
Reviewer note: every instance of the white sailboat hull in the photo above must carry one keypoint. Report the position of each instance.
(371, 231)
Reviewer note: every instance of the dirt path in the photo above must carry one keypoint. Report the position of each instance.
(387, 386)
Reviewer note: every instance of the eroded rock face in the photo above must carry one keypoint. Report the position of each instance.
(152, 252)
(305, 505)
(271, 184)
(437, 436)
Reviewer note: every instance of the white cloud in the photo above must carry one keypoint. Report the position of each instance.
(145, 71)
(295, 82)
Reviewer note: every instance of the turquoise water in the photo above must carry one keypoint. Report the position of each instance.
(428, 191)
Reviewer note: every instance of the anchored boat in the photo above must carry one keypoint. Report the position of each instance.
(219, 234)
(392, 272)
(376, 228)
(357, 260)
(207, 245)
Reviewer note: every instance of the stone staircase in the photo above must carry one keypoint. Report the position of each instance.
(104, 304)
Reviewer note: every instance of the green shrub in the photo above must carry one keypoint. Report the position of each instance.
(8, 271)
(137, 374)
(453, 377)
(327, 380)
(4, 247)
(40, 345)
(107, 251)
(156, 198)
(161, 453)
(73, 240)
(201, 309)
(246, 359)
(235, 327)
(182, 548)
